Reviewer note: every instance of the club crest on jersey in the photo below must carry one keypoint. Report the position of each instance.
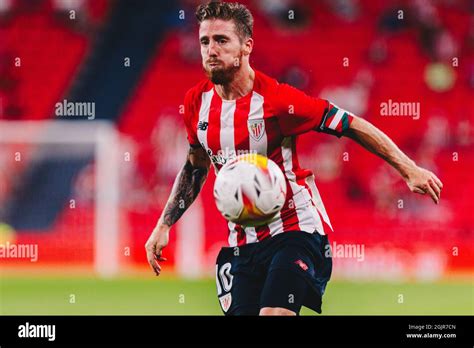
(256, 129)
(225, 301)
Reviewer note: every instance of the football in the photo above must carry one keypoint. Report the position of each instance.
(250, 190)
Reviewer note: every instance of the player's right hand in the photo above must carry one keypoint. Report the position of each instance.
(422, 181)
(154, 246)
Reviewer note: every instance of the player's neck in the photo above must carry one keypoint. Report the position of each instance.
(239, 87)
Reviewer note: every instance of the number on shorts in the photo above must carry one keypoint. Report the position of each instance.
(225, 278)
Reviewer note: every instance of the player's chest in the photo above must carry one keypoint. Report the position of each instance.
(231, 129)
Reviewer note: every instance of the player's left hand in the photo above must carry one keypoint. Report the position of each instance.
(422, 181)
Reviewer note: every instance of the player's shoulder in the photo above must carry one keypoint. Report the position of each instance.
(274, 92)
(264, 84)
(193, 95)
(271, 87)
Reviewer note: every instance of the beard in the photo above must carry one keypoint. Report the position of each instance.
(225, 75)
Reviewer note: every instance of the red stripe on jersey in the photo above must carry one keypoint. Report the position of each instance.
(214, 124)
(300, 174)
(294, 155)
(262, 232)
(241, 235)
(241, 133)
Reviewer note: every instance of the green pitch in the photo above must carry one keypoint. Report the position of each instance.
(167, 296)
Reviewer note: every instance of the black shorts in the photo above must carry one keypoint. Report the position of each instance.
(289, 270)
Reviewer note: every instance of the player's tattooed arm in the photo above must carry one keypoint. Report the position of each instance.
(187, 185)
(418, 179)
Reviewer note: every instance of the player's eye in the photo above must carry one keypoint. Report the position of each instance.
(204, 42)
(221, 41)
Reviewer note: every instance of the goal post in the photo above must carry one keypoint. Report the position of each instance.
(104, 143)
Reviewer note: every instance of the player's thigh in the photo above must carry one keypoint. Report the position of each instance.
(284, 289)
(298, 273)
(238, 285)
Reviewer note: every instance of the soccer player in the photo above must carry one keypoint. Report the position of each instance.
(277, 268)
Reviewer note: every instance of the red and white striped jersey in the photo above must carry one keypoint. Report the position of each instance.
(266, 121)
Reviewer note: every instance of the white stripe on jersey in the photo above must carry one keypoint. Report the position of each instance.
(232, 234)
(318, 202)
(251, 235)
(309, 220)
(256, 113)
(227, 127)
(204, 116)
(276, 226)
(336, 119)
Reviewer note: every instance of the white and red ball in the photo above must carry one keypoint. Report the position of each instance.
(250, 190)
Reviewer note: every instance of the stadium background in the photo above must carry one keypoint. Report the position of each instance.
(136, 59)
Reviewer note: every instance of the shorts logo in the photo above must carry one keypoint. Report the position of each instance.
(303, 265)
(225, 301)
(256, 129)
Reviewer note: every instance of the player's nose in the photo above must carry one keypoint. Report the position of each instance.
(212, 49)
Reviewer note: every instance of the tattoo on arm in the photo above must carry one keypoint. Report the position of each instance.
(186, 187)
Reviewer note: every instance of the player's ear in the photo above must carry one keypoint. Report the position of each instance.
(248, 46)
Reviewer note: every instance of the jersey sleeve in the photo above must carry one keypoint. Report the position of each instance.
(190, 120)
(299, 113)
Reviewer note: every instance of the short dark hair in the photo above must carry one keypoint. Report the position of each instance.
(227, 11)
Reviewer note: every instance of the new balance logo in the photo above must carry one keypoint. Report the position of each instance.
(202, 125)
